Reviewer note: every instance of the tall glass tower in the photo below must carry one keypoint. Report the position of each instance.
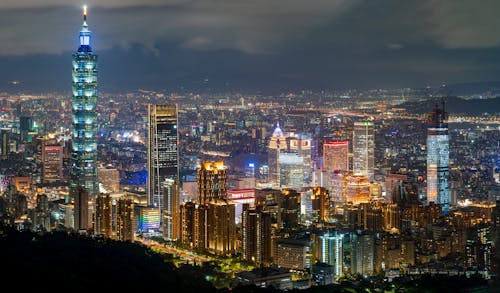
(84, 141)
(277, 144)
(438, 159)
(163, 162)
(364, 149)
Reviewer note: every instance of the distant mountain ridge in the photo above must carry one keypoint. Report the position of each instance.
(471, 88)
(455, 105)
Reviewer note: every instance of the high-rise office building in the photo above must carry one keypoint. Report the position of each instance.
(364, 149)
(84, 102)
(209, 224)
(5, 143)
(362, 253)
(302, 145)
(125, 219)
(338, 184)
(438, 159)
(103, 215)
(320, 204)
(42, 213)
(329, 250)
(200, 226)
(480, 249)
(221, 227)
(211, 178)
(256, 235)
(290, 205)
(26, 124)
(52, 162)
(187, 217)
(170, 221)
(336, 156)
(81, 210)
(291, 170)
(14, 204)
(163, 154)
(277, 144)
(357, 189)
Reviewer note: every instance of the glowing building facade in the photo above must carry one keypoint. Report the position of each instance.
(357, 189)
(329, 250)
(52, 162)
(84, 102)
(291, 170)
(301, 145)
(211, 178)
(438, 159)
(163, 154)
(336, 156)
(170, 215)
(364, 149)
(277, 144)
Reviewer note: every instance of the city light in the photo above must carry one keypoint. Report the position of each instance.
(207, 152)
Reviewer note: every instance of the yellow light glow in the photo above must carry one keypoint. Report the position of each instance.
(85, 10)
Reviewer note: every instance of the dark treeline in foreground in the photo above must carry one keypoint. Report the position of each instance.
(61, 261)
(69, 262)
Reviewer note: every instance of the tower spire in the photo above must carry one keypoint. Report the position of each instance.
(85, 36)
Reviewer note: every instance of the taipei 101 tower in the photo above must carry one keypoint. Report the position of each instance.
(84, 102)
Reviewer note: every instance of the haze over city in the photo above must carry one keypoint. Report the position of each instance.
(254, 46)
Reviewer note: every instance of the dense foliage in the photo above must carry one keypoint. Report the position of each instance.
(60, 261)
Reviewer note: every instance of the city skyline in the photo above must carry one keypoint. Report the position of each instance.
(335, 190)
(255, 46)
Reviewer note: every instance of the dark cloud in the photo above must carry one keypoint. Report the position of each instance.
(253, 44)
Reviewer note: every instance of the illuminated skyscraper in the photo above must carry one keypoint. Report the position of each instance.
(362, 253)
(103, 215)
(211, 182)
(125, 220)
(338, 185)
(163, 154)
(187, 223)
(171, 223)
(52, 162)
(221, 227)
(277, 144)
(81, 210)
(291, 170)
(5, 143)
(336, 156)
(256, 235)
(364, 149)
(84, 141)
(357, 189)
(329, 250)
(438, 159)
(41, 217)
(301, 144)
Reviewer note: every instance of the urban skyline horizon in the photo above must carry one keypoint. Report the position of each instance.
(353, 189)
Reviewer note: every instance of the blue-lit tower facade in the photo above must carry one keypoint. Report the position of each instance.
(438, 159)
(84, 102)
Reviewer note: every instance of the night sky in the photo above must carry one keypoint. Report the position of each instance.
(252, 45)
